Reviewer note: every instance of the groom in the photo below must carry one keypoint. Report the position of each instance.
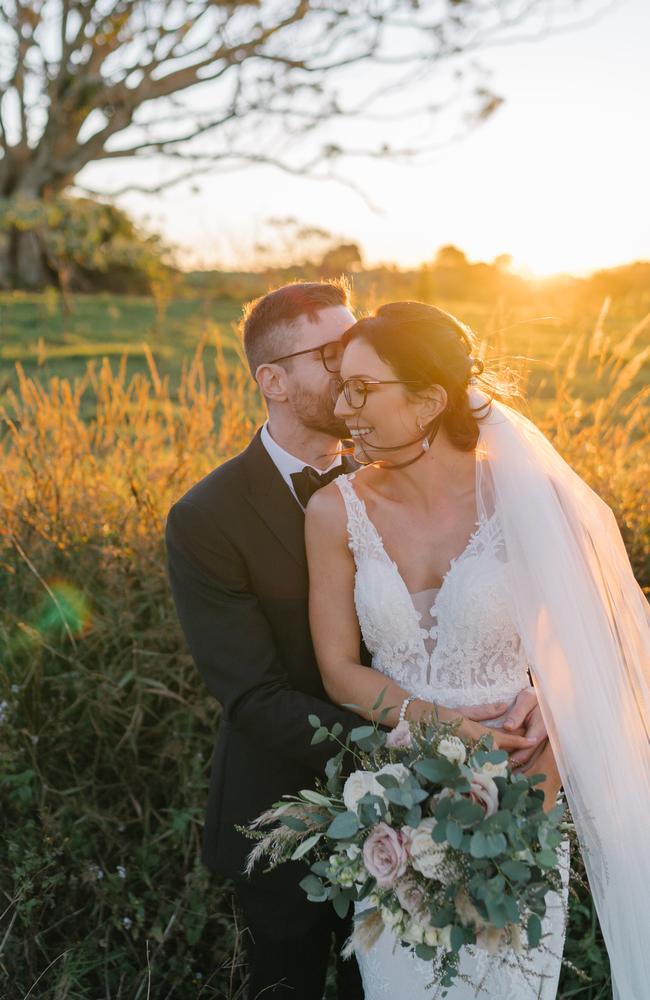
(238, 573)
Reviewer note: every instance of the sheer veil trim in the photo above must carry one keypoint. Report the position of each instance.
(585, 626)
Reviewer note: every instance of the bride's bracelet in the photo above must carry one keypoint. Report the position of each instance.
(405, 704)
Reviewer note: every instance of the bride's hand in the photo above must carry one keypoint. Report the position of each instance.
(545, 764)
(470, 730)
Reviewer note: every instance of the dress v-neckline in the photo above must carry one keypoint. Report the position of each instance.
(391, 562)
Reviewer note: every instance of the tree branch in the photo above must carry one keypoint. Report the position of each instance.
(128, 58)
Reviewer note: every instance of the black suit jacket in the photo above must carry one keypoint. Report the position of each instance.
(238, 572)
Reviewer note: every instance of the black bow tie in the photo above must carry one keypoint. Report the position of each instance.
(307, 482)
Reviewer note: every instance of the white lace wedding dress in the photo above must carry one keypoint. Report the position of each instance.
(456, 646)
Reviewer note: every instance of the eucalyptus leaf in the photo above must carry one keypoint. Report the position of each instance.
(313, 886)
(361, 733)
(443, 809)
(371, 742)
(457, 938)
(437, 770)
(344, 825)
(315, 797)
(320, 735)
(399, 797)
(440, 918)
(478, 845)
(293, 823)
(465, 812)
(497, 912)
(516, 871)
(414, 816)
(454, 833)
(512, 909)
(439, 833)
(366, 888)
(380, 699)
(388, 780)
(314, 721)
(333, 767)
(306, 846)
(495, 843)
(320, 867)
(534, 930)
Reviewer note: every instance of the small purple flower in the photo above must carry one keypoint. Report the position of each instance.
(400, 736)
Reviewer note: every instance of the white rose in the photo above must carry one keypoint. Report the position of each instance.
(495, 770)
(357, 785)
(453, 749)
(432, 937)
(484, 792)
(426, 856)
(361, 782)
(398, 771)
(414, 932)
(390, 917)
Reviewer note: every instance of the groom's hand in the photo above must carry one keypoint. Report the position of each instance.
(525, 717)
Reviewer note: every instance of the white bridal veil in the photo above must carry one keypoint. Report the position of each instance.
(585, 626)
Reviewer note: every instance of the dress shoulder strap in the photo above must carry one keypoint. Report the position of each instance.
(363, 539)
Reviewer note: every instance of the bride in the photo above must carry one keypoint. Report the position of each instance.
(470, 557)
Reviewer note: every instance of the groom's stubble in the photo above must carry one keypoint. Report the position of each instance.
(315, 411)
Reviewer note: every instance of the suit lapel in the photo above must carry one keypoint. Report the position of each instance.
(273, 501)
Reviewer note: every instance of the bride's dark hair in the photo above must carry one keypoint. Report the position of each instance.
(425, 344)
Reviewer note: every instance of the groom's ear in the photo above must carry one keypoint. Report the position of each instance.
(272, 380)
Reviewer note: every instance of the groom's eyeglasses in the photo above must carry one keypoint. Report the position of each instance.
(355, 390)
(330, 355)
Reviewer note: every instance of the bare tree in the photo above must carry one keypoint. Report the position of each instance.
(213, 82)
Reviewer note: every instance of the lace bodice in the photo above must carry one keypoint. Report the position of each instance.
(471, 654)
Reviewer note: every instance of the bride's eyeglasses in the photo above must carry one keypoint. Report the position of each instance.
(355, 390)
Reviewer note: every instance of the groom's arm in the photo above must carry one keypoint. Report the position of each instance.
(231, 642)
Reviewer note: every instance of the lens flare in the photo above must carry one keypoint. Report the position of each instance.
(62, 611)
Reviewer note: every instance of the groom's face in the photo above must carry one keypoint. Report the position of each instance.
(308, 382)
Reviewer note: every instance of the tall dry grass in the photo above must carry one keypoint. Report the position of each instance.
(105, 728)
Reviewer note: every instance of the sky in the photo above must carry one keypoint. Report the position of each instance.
(558, 177)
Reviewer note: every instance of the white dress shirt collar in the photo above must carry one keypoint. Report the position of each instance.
(287, 463)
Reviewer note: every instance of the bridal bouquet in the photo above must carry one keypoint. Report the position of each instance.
(444, 843)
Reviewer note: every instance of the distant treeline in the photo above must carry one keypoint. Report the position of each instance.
(449, 277)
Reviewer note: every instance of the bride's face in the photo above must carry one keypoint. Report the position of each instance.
(391, 415)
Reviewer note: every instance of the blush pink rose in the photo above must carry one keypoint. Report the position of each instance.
(410, 896)
(484, 792)
(400, 736)
(384, 855)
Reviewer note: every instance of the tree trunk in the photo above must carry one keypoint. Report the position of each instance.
(31, 269)
(23, 261)
(5, 262)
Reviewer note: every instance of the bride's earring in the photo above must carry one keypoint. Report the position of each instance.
(425, 442)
